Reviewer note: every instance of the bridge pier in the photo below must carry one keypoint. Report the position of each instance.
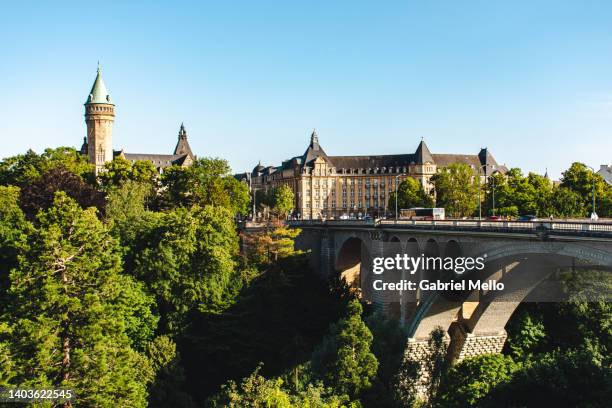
(465, 344)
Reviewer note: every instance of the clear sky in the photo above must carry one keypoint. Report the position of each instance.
(531, 80)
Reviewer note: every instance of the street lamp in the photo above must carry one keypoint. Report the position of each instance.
(396, 177)
(593, 214)
(479, 200)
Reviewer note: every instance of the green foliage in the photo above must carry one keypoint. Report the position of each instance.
(467, 383)
(25, 168)
(126, 211)
(188, 262)
(580, 179)
(345, 360)
(119, 170)
(278, 319)
(283, 200)
(207, 182)
(388, 346)
(69, 309)
(39, 193)
(567, 203)
(558, 379)
(14, 230)
(456, 190)
(253, 391)
(416, 377)
(525, 334)
(257, 391)
(410, 194)
(267, 247)
(168, 388)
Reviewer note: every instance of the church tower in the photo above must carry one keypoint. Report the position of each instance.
(99, 117)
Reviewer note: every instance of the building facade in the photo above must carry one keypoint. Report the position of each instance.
(605, 171)
(98, 144)
(334, 186)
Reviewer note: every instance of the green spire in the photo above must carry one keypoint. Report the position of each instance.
(98, 93)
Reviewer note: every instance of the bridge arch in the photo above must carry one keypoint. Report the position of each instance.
(348, 262)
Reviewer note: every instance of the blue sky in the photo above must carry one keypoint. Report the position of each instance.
(532, 80)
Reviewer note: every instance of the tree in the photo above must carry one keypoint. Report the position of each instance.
(468, 382)
(69, 311)
(345, 360)
(23, 169)
(206, 182)
(526, 333)
(557, 379)
(187, 259)
(283, 200)
(567, 203)
(580, 179)
(410, 194)
(119, 170)
(168, 388)
(14, 231)
(39, 193)
(456, 190)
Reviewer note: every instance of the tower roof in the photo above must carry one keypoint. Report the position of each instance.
(422, 154)
(314, 149)
(99, 93)
(182, 146)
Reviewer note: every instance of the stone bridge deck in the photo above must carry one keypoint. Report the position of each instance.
(541, 229)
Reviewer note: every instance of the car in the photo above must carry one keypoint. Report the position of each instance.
(494, 218)
(528, 218)
(344, 217)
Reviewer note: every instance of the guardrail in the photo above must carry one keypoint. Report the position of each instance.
(550, 225)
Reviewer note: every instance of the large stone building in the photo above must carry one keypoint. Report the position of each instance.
(332, 186)
(605, 171)
(98, 145)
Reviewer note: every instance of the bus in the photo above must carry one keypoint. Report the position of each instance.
(422, 214)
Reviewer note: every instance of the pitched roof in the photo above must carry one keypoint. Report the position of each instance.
(314, 150)
(98, 93)
(182, 146)
(422, 154)
(443, 160)
(158, 160)
(364, 162)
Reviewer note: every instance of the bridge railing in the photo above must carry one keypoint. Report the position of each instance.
(551, 225)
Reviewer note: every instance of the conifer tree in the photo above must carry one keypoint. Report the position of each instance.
(69, 309)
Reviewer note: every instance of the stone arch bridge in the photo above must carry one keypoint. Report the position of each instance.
(521, 255)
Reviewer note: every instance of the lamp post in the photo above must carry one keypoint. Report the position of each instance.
(396, 182)
(493, 192)
(479, 200)
(593, 213)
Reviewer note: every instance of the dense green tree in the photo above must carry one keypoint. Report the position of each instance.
(188, 261)
(39, 193)
(207, 182)
(14, 231)
(410, 194)
(558, 379)
(567, 203)
(467, 383)
(119, 170)
(257, 391)
(70, 309)
(526, 333)
(581, 179)
(283, 201)
(168, 388)
(345, 360)
(22, 169)
(456, 190)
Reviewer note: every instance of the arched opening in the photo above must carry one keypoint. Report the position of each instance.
(348, 263)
